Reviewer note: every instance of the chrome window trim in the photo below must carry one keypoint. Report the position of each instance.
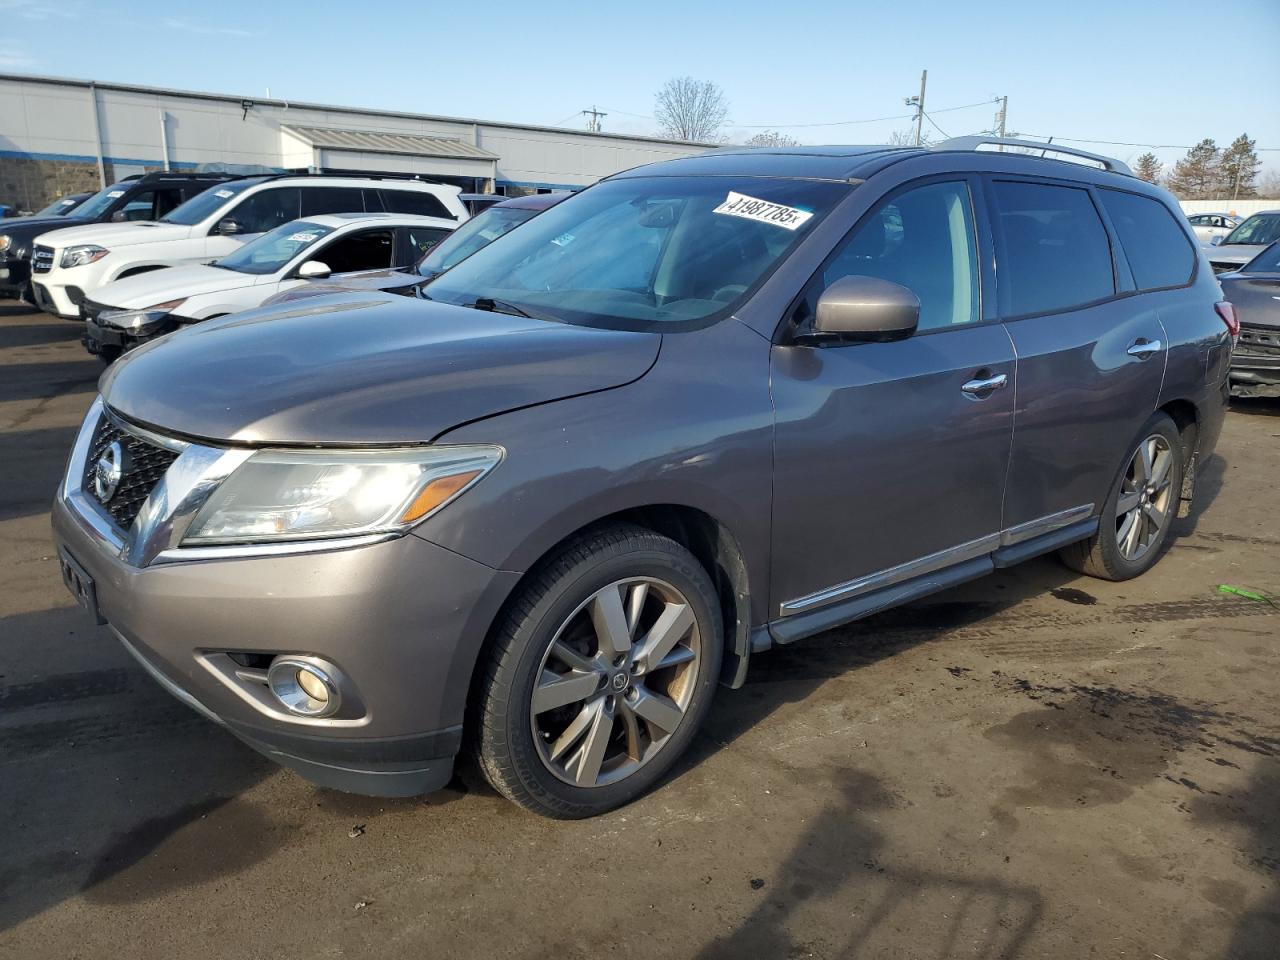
(936, 561)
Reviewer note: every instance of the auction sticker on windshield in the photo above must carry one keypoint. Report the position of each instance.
(749, 208)
(302, 237)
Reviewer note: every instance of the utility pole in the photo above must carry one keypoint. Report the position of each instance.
(1004, 110)
(593, 125)
(924, 77)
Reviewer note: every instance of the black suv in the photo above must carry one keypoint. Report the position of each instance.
(141, 197)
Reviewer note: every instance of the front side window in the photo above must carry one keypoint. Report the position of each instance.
(1260, 228)
(365, 250)
(272, 251)
(266, 209)
(1052, 250)
(149, 204)
(1155, 246)
(477, 233)
(922, 239)
(640, 252)
(208, 202)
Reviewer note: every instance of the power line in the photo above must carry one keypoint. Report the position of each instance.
(936, 127)
(828, 123)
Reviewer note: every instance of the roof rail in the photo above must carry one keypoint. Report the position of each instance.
(972, 143)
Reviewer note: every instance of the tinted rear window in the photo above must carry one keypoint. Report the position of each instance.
(1155, 246)
(1054, 253)
(415, 202)
(317, 200)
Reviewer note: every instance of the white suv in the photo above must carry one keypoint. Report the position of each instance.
(68, 265)
(123, 314)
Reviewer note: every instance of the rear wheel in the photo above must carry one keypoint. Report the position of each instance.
(600, 675)
(1139, 511)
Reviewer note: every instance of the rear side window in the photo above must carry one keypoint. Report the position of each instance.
(318, 200)
(1053, 250)
(267, 209)
(1155, 246)
(415, 202)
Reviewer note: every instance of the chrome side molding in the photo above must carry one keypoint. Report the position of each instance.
(936, 561)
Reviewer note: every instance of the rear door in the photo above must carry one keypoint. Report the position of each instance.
(1091, 353)
(890, 458)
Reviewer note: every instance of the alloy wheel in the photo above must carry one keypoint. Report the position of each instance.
(616, 681)
(1146, 498)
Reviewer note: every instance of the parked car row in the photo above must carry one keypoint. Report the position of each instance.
(1244, 242)
(544, 505)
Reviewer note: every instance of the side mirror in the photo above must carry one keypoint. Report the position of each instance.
(866, 308)
(1215, 241)
(118, 217)
(228, 227)
(313, 270)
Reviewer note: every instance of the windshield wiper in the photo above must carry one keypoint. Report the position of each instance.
(491, 305)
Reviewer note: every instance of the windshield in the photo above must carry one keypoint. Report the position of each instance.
(271, 251)
(1268, 261)
(99, 203)
(59, 208)
(202, 205)
(639, 252)
(478, 232)
(1260, 228)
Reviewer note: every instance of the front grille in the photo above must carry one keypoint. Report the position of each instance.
(41, 259)
(142, 466)
(1259, 341)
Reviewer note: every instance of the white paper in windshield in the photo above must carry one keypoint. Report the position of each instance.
(302, 237)
(115, 193)
(223, 194)
(749, 208)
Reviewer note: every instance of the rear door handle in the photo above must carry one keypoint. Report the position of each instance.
(983, 387)
(1143, 348)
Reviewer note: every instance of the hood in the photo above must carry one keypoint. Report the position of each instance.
(112, 235)
(159, 286)
(1256, 297)
(28, 228)
(363, 369)
(1233, 253)
(371, 280)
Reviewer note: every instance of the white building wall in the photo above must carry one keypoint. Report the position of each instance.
(41, 118)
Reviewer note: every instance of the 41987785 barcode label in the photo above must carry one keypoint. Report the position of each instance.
(749, 208)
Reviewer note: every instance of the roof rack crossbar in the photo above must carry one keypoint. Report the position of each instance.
(972, 143)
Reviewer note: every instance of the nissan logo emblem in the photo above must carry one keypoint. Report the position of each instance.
(108, 471)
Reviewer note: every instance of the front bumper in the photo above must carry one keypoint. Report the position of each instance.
(403, 619)
(14, 274)
(60, 300)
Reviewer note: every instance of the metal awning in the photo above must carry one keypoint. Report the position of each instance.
(404, 144)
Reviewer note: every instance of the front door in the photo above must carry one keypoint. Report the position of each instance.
(891, 453)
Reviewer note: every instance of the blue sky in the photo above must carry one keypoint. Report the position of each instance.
(1143, 72)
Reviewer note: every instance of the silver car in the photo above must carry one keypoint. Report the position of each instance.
(1208, 226)
(1245, 242)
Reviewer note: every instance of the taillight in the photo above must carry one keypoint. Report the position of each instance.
(1228, 314)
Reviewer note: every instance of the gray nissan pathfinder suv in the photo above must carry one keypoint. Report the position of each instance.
(700, 408)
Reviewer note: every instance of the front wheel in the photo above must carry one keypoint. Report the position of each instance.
(1140, 508)
(600, 674)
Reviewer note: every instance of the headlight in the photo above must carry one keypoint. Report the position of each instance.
(140, 322)
(309, 494)
(5, 240)
(84, 254)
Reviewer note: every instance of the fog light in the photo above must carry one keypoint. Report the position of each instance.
(303, 686)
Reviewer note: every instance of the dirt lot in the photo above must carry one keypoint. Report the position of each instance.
(1036, 765)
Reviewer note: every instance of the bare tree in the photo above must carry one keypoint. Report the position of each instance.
(771, 138)
(689, 109)
(1269, 188)
(1149, 168)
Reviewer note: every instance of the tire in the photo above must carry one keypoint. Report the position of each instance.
(551, 761)
(1110, 554)
(28, 295)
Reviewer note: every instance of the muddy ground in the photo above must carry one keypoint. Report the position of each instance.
(1035, 765)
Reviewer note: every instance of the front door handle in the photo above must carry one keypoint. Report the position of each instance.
(983, 387)
(1143, 348)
